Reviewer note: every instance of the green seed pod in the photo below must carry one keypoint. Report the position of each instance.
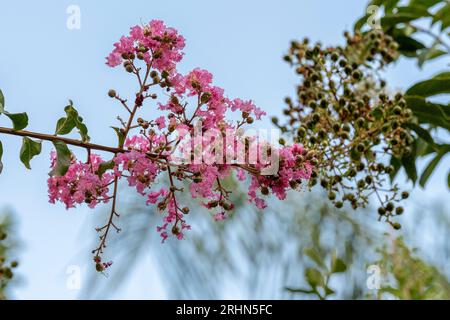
(334, 57)
(396, 226)
(361, 184)
(336, 127)
(316, 117)
(389, 206)
(356, 75)
(324, 183)
(301, 132)
(397, 110)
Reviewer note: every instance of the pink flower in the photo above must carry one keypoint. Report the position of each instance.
(220, 216)
(161, 122)
(155, 195)
(114, 59)
(247, 106)
(241, 175)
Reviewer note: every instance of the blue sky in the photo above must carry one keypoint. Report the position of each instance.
(44, 64)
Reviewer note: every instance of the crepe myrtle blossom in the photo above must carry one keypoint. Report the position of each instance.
(80, 184)
(175, 129)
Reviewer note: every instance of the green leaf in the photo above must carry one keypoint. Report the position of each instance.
(120, 136)
(19, 120)
(63, 159)
(417, 10)
(65, 125)
(396, 163)
(1, 150)
(300, 290)
(448, 180)
(443, 15)
(422, 133)
(391, 20)
(428, 112)
(328, 291)
(105, 166)
(360, 22)
(389, 5)
(314, 277)
(408, 46)
(424, 3)
(2, 99)
(409, 163)
(429, 54)
(431, 87)
(337, 265)
(29, 149)
(314, 255)
(432, 165)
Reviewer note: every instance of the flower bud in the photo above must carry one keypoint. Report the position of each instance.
(111, 93)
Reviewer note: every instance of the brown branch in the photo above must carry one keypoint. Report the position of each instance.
(50, 137)
(110, 222)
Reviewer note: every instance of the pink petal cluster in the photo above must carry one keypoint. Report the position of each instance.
(80, 184)
(292, 169)
(159, 45)
(140, 171)
(215, 104)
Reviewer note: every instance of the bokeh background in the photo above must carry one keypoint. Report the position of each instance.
(242, 43)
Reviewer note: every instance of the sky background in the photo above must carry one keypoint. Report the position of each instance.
(44, 64)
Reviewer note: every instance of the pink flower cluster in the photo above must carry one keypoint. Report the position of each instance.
(153, 150)
(80, 184)
(155, 43)
(139, 170)
(293, 169)
(213, 105)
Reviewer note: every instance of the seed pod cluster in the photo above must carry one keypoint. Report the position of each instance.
(344, 112)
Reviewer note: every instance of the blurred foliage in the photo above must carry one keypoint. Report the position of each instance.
(318, 277)
(301, 249)
(408, 277)
(6, 265)
(256, 254)
(422, 30)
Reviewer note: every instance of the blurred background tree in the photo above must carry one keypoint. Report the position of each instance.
(8, 245)
(302, 249)
(408, 277)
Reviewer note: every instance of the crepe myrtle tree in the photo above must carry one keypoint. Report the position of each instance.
(191, 146)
